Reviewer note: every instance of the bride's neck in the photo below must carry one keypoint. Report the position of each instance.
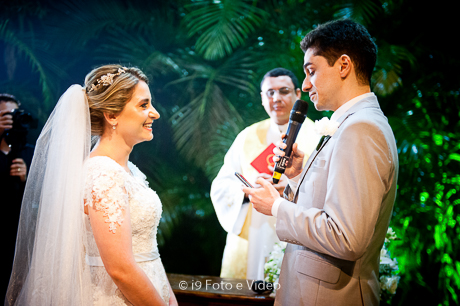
(115, 148)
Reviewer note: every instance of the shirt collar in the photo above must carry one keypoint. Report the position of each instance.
(345, 107)
(280, 129)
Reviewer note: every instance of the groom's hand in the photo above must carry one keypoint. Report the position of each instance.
(269, 178)
(295, 163)
(262, 198)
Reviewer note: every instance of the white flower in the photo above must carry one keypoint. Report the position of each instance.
(326, 127)
(389, 283)
(107, 79)
(385, 259)
(391, 235)
(273, 265)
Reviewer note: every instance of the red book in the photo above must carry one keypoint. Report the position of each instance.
(265, 159)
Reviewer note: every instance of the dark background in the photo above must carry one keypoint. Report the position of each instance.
(205, 60)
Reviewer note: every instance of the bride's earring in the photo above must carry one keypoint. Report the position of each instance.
(114, 126)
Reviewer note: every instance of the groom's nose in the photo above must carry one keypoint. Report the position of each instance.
(306, 85)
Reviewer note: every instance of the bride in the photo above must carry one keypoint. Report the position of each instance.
(87, 233)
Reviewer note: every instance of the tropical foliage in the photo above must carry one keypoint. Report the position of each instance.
(205, 59)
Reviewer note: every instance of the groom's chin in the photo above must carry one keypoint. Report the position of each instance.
(317, 106)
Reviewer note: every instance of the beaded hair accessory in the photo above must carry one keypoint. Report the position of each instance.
(107, 79)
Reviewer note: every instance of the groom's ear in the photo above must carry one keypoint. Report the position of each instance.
(346, 66)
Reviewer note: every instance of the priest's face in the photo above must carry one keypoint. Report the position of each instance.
(278, 97)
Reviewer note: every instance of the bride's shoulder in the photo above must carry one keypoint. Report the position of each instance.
(133, 168)
(138, 174)
(103, 173)
(106, 185)
(103, 164)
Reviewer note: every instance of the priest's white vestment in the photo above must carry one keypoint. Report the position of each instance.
(251, 235)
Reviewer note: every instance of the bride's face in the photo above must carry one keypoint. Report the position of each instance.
(134, 123)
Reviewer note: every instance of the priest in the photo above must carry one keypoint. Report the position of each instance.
(251, 235)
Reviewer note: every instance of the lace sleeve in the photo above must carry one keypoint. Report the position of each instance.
(106, 192)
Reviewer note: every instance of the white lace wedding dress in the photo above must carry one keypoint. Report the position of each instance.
(111, 189)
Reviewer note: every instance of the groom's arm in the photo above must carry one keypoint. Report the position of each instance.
(358, 180)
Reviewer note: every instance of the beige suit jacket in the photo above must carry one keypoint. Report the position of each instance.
(336, 223)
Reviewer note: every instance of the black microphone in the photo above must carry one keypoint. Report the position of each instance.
(298, 114)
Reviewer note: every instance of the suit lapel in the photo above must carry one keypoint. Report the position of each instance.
(304, 172)
(369, 102)
(321, 145)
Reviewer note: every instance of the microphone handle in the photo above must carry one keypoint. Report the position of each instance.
(291, 135)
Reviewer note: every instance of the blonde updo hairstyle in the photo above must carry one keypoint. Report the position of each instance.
(110, 99)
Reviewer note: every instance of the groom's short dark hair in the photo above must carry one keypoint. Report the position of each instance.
(335, 38)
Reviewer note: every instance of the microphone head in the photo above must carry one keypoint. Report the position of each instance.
(299, 111)
(300, 106)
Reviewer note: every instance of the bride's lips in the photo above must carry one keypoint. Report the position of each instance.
(148, 126)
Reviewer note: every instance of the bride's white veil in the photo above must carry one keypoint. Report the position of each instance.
(49, 265)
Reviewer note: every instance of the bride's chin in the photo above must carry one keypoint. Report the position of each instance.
(148, 138)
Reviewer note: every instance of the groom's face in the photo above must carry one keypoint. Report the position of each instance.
(322, 82)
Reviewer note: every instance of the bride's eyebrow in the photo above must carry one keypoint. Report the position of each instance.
(143, 101)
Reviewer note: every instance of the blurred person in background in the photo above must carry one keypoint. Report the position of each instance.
(15, 158)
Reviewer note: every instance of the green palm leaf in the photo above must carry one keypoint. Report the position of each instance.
(138, 50)
(22, 48)
(222, 26)
(387, 74)
(219, 144)
(195, 123)
(362, 11)
(408, 133)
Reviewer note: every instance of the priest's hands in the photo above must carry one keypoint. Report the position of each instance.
(262, 198)
(295, 162)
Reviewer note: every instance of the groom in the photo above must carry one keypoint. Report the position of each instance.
(335, 212)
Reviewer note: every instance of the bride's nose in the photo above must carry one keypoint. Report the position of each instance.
(154, 114)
